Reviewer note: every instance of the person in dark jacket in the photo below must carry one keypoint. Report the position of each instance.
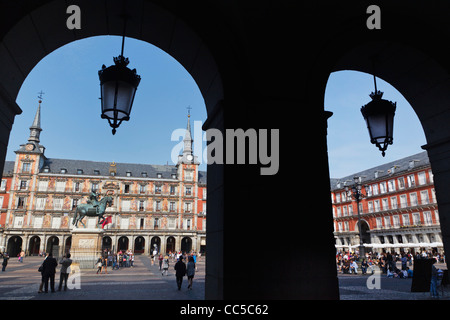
(65, 271)
(180, 269)
(48, 272)
(5, 261)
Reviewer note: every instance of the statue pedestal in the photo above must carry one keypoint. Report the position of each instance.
(86, 247)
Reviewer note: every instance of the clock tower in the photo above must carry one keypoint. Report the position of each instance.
(33, 146)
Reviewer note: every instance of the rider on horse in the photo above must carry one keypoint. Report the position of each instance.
(93, 199)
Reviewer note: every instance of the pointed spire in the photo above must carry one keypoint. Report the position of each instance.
(188, 137)
(35, 128)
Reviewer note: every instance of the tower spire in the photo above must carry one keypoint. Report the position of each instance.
(35, 128)
(188, 136)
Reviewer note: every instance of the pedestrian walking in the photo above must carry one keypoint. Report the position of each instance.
(5, 261)
(99, 265)
(104, 265)
(49, 270)
(65, 263)
(180, 269)
(434, 280)
(160, 258)
(165, 266)
(41, 270)
(190, 272)
(21, 255)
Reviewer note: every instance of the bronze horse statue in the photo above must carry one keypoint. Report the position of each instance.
(89, 210)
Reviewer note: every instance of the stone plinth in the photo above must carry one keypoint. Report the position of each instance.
(86, 247)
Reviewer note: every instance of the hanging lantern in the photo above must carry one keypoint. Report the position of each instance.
(379, 116)
(118, 87)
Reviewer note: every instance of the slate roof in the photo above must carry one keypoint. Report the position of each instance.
(385, 170)
(88, 167)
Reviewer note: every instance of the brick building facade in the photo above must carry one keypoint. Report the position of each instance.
(162, 205)
(398, 213)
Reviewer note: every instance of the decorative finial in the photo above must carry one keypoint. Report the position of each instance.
(40, 96)
(189, 111)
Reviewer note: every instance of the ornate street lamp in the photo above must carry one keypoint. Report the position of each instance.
(118, 86)
(357, 194)
(379, 116)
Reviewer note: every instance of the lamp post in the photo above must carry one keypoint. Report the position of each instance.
(357, 194)
(118, 87)
(379, 116)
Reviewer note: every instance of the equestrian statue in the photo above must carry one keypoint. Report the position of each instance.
(93, 208)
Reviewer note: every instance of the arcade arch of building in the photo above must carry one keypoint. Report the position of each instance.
(246, 61)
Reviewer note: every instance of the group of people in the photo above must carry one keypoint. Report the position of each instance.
(386, 262)
(116, 260)
(48, 271)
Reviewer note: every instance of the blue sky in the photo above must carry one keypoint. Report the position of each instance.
(70, 112)
(349, 147)
(73, 129)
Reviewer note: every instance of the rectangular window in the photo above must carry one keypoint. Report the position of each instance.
(157, 205)
(43, 185)
(172, 206)
(20, 202)
(188, 191)
(26, 167)
(416, 218)
(401, 183)
(396, 221)
(126, 205)
(126, 188)
(157, 189)
(413, 198)
(424, 197)
(23, 185)
(57, 203)
(3, 185)
(391, 185)
(385, 203)
(422, 178)
(56, 222)
(387, 222)
(141, 205)
(376, 205)
(40, 203)
(383, 187)
(427, 218)
(38, 222)
(60, 186)
(379, 223)
(411, 181)
(403, 201)
(405, 218)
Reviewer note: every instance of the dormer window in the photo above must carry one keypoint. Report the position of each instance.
(46, 169)
(79, 171)
(128, 174)
(174, 175)
(144, 174)
(159, 175)
(63, 170)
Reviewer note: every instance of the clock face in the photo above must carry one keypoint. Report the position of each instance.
(190, 157)
(29, 147)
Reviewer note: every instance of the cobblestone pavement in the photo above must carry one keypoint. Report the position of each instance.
(360, 287)
(144, 281)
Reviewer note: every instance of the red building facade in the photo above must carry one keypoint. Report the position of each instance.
(398, 213)
(162, 206)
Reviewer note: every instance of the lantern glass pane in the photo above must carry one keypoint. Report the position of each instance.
(124, 98)
(377, 125)
(108, 90)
